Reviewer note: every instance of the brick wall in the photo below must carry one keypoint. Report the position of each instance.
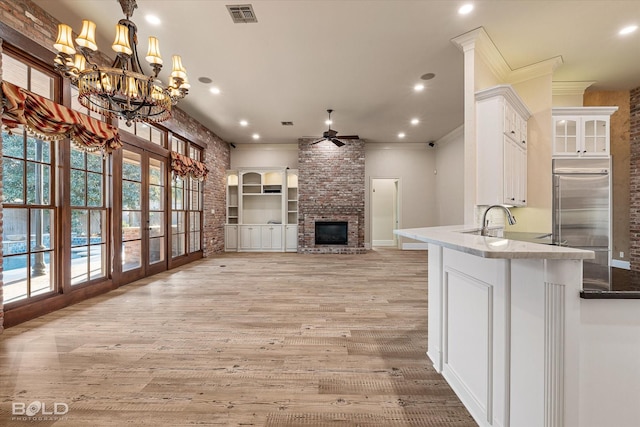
(331, 188)
(634, 181)
(41, 28)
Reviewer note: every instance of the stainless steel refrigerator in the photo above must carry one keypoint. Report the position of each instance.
(581, 213)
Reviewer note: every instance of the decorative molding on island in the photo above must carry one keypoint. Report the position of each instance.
(504, 319)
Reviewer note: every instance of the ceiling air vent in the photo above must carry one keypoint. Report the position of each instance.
(287, 123)
(242, 13)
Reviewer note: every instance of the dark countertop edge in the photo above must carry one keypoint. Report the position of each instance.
(610, 294)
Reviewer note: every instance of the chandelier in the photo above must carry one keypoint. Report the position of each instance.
(122, 90)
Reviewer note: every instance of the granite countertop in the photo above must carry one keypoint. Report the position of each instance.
(463, 239)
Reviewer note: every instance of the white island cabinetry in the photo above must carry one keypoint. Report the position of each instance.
(504, 321)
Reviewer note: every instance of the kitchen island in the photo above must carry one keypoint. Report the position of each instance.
(504, 319)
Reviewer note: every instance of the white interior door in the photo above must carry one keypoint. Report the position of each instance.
(384, 211)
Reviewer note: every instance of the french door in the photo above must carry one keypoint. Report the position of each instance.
(140, 215)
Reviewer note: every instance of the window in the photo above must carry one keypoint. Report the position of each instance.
(144, 131)
(29, 232)
(131, 210)
(186, 205)
(88, 217)
(28, 235)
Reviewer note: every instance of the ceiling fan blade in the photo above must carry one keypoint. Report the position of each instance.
(337, 142)
(348, 136)
(318, 140)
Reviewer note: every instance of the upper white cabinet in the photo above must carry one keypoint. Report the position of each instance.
(581, 131)
(259, 203)
(501, 132)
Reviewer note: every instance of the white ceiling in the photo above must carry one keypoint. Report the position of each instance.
(361, 57)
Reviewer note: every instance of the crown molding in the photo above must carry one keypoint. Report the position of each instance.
(570, 88)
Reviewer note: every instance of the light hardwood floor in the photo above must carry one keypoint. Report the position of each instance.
(240, 339)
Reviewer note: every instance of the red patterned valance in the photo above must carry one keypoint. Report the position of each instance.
(184, 166)
(51, 121)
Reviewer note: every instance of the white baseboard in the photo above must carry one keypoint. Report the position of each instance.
(384, 243)
(621, 264)
(415, 246)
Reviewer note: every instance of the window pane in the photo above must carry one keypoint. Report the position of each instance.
(95, 162)
(79, 227)
(15, 71)
(94, 189)
(97, 261)
(131, 225)
(156, 250)
(13, 181)
(178, 245)
(14, 277)
(131, 255)
(143, 131)
(38, 150)
(177, 222)
(13, 144)
(41, 84)
(79, 265)
(38, 183)
(194, 242)
(41, 272)
(41, 229)
(97, 226)
(157, 136)
(194, 221)
(156, 223)
(178, 195)
(78, 188)
(131, 195)
(131, 169)
(77, 159)
(15, 231)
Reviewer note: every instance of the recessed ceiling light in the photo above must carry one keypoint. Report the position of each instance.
(153, 20)
(427, 76)
(401, 135)
(415, 121)
(465, 9)
(255, 136)
(214, 90)
(205, 80)
(244, 123)
(628, 30)
(418, 87)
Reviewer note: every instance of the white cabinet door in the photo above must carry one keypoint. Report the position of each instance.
(231, 238)
(271, 237)
(291, 238)
(595, 136)
(250, 238)
(565, 136)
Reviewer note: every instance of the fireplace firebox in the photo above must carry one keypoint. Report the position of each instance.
(331, 233)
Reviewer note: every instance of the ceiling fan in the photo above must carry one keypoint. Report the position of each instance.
(332, 135)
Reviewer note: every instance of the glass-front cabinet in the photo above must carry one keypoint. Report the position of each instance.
(581, 131)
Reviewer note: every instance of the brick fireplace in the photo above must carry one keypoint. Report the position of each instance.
(331, 189)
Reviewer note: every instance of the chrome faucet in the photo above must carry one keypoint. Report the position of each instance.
(510, 218)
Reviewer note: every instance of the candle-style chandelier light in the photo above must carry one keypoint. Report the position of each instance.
(122, 90)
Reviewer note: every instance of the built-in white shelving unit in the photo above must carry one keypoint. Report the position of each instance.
(262, 209)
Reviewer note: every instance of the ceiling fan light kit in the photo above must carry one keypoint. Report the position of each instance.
(332, 135)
